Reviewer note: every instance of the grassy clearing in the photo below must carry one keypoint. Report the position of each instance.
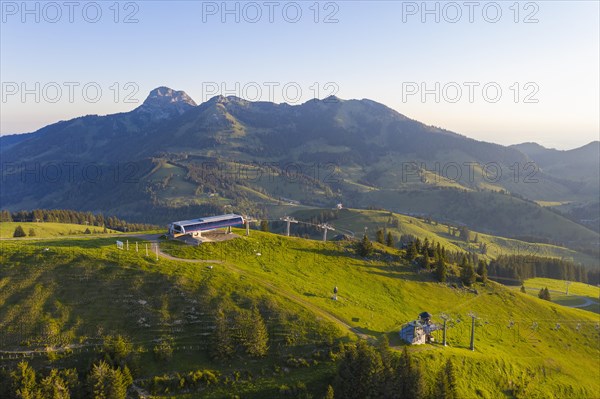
(45, 230)
(579, 293)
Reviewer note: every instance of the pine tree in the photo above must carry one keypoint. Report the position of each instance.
(482, 270)
(441, 270)
(359, 373)
(23, 382)
(408, 380)
(222, 342)
(418, 245)
(445, 387)
(19, 232)
(329, 394)
(544, 294)
(379, 236)
(390, 240)
(467, 275)
(411, 252)
(425, 247)
(264, 225)
(388, 363)
(464, 233)
(5, 216)
(104, 382)
(523, 289)
(117, 349)
(253, 335)
(425, 260)
(54, 386)
(364, 247)
(31, 232)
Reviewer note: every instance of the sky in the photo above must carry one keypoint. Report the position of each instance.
(505, 72)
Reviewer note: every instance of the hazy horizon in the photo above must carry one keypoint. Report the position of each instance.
(344, 99)
(498, 72)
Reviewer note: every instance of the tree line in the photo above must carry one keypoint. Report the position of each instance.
(75, 217)
(523, 267)
(367, 371)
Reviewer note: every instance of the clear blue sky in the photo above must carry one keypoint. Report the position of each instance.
(377, 50)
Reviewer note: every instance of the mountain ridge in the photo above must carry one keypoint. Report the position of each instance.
(366, 152)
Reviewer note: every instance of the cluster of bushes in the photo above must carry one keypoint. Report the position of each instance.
(190, 381)
(544, 294)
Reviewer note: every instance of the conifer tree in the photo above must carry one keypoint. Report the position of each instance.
(24, 383)
(390, 240)
(364, 247)
(482, 270)
(441, 270)
(380, 237)
(409, 380)
(467, 274)
(252, 333)
(19, 232)
(359, 373)
(54, 386)
(329, 394)
(104, 382)
(222, 341)
(445, 387)
(411, 252)
(5, 216)
(264, 225)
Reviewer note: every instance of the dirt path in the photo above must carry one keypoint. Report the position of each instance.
(588, 302)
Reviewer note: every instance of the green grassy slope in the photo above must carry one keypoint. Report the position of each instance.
(511, 216)
(81, 289)
(377, 297)
(582, 296)
(45, 229)
(357, 219)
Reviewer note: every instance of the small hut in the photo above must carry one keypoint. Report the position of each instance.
(419, 331)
